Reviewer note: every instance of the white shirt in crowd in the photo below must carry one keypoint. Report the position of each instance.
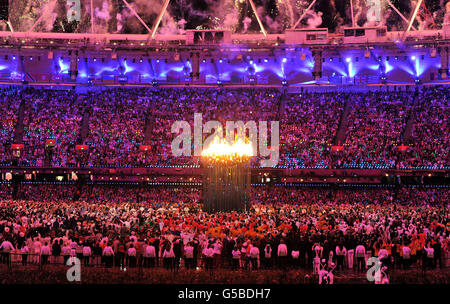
(108, 251)
(383, 253)
(406, 252)
(282, 250)
(189, 252)
(360, 251)
(208, 252)
(65, 250)
(168, 253)
(429, 251)
(132, 251)
(341, 251)
(45, 250)
(254, 252)
(6, 246)
(150, 251)
(87, 251)
(268, 251)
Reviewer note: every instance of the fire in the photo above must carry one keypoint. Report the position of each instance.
(222, 149)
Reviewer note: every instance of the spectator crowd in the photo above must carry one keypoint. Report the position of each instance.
(119, 121)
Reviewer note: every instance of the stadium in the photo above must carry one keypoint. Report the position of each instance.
(231, 141)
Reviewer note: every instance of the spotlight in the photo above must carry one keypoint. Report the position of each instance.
(251, 62)
(204, 60)
(265, 60)
(95, 59)
(284, 60)
(31, 58)
(331, 59)
(157, 60)
(220, 60)
(284, 82)
(348, 59)
(140, 60)
(413, 57)
(14, 57)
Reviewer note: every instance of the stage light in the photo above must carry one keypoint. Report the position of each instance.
(413, 57)
(433, 53)
(220, 60)
(204, 60)
(251, 61)
(157, 60)
(265, 60)
(31, 58)
(284, 60)
(14, 57)
(331, 59)
(348, 59)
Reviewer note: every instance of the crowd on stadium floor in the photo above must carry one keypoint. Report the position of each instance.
(284, 227)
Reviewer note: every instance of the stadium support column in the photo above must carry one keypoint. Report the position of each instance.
(317, 72)
(443, 71)
(195, 57)
(73, 71)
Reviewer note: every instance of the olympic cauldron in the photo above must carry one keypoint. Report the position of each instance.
(226, 175)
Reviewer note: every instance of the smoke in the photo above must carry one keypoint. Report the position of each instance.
(112, 16)
(314, 19)
(246, 23)
(48, 13)
(273, 25)
(286, 12)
